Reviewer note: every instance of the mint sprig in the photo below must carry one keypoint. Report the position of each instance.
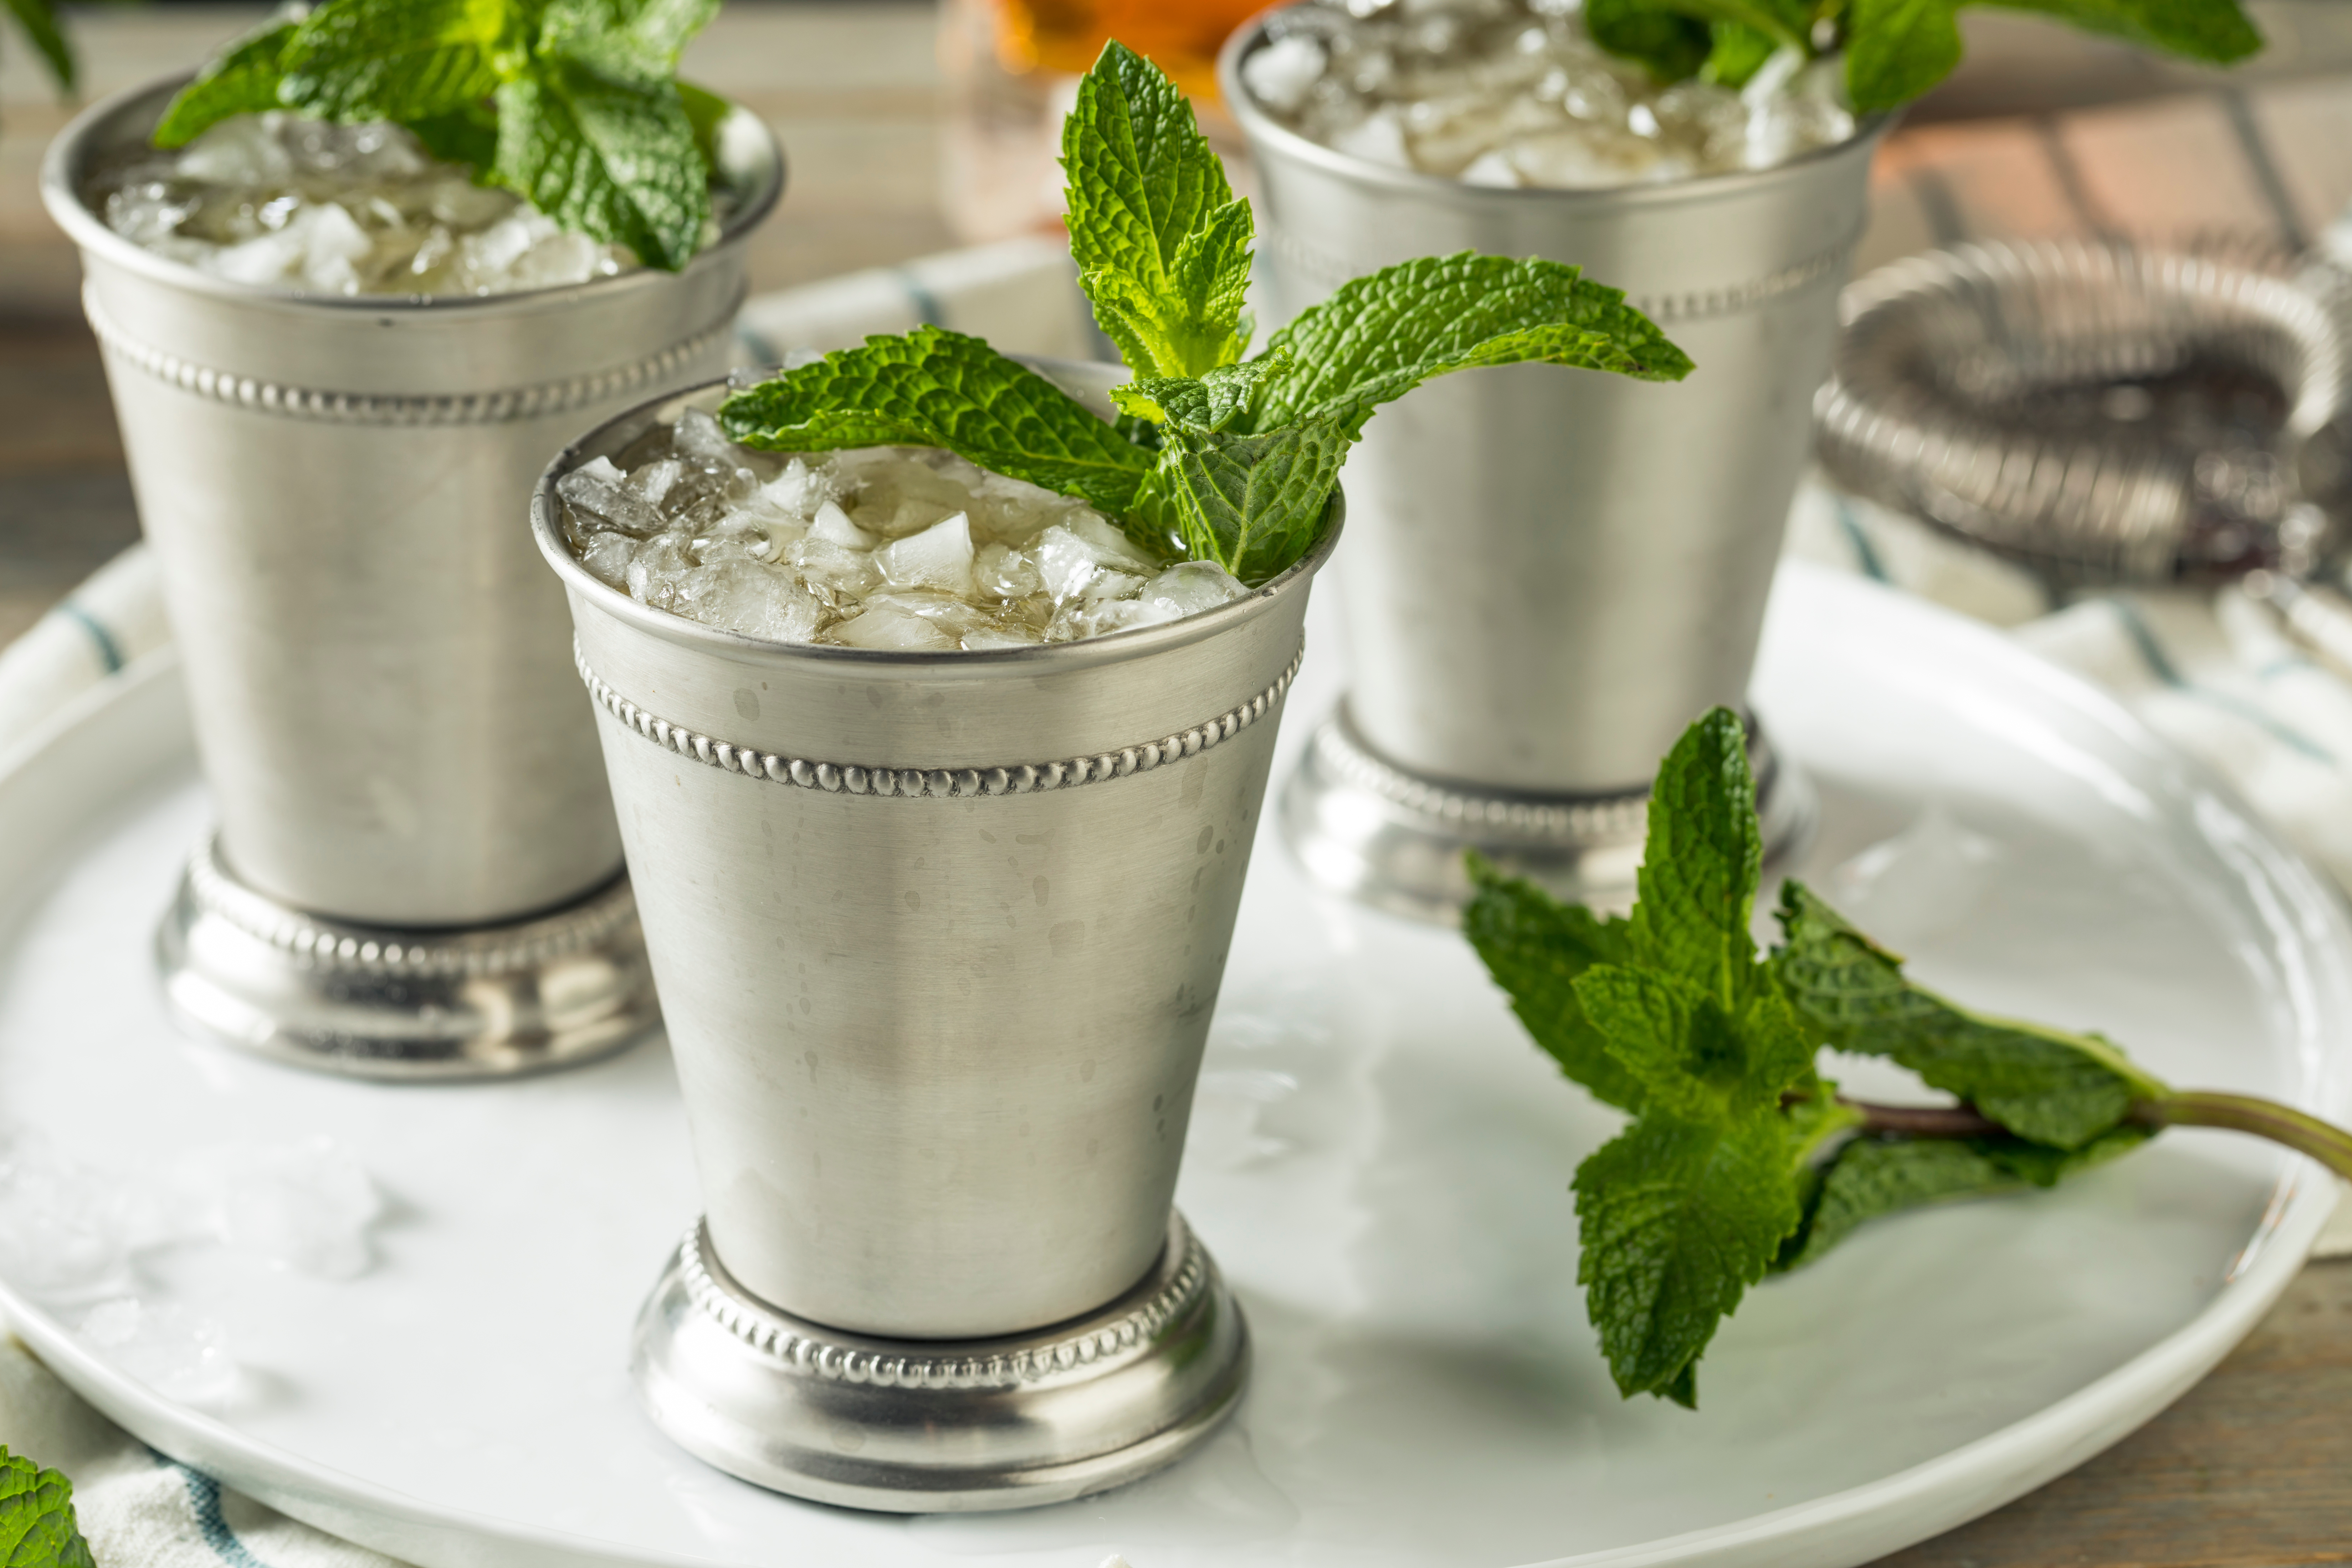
(1741, 1160)
(38, 1529)
(1215, 457)
(1894, 51)
(572, 104)
(937, 388)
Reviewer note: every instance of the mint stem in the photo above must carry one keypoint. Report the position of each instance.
(1926, 1121)
(2330, 1145)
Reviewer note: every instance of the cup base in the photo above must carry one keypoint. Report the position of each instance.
(941, 1425)
(377, 1001)
(1359, 824)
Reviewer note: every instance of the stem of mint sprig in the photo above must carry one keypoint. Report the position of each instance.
(1894, 51)
(1215, 457)
(574, 105)
(1740, 1159)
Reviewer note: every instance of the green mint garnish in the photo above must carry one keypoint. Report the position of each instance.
(1162, 245)
(572, 104)
(1741, 1160)
(937, 388)
(1893, 50)
(36, 1518)
(38, 18)
(1214, 456)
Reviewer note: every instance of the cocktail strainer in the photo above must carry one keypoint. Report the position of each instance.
(2097, 411)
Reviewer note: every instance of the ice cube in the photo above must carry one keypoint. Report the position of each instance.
(1063, 562)
(996, 636)
(885, 626)
(834, 527)
(799, 491)
(940, 557)
(62, 1225)
(758, 601)
(1190, 587)
(1283, 73)
(606, 555)
(305, 1206)
(178, 1354)
(1491, 169)
(651, 483)
(600, 497)
(244, 149)
(1378, 138)
(1004, 573)
(698, 434)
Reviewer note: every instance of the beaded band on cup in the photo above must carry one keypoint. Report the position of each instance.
(804, 1347)
(389, 408)
(317, 943)
(1576, 820)
(852, 778)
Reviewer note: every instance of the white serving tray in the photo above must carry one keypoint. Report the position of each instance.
(1378, 1159)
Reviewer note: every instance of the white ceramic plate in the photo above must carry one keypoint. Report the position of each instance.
(1378, 1159)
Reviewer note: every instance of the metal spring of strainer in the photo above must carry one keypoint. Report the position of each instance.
(1940, 402)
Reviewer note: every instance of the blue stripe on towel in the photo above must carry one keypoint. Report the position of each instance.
(110, 652)
(2160, 665)
(204, 1498)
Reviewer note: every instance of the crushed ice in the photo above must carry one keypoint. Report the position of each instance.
(882, 547)
(1513, 93)
(72, 1234)
(278, 199)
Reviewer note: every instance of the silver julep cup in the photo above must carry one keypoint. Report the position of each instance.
(417, 873)
(1554, 571)
(938, 937)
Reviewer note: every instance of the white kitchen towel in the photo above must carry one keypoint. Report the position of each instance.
(138, 1509)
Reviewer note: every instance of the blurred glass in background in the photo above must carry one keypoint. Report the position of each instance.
(1011, 70)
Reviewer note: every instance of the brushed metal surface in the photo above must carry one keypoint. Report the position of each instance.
(1363, 827)
(379, 667)
(399, 1005)
(1554, 571)
(942, 1426)
(938, 935)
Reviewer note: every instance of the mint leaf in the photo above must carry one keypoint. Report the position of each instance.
(1876, 1176)
(242, 79)
(626, 38)
(2042, 1084)
(1252, 504)
(1897, 50)
(1536, 947)
(937, 388)
(1678, 1219)
(39, 20)
(1378, 337)
(611, 157)
(1739, 53)
(394, 59)
(1218, 399)
(1700, 862)
(1673, 45)
(705, 111)
(36, 1518)
(1162, 246)
(1693, 1056)
(2215, 30)
(468, 135)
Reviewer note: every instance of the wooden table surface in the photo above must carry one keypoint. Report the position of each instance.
(2250, 1469)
